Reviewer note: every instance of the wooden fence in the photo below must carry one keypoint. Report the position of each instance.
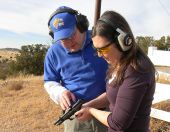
(162, 93)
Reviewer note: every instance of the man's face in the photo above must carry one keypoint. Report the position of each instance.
(73, 43)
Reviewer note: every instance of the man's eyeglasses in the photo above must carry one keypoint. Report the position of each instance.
(104, 49)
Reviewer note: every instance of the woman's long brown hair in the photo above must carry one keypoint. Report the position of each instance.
(133, 57)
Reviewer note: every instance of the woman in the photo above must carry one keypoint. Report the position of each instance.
(130, 78)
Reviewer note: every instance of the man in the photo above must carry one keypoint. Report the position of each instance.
(71, 69)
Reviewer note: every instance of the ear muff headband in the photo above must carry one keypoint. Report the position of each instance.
(124, 39)
(71, 11)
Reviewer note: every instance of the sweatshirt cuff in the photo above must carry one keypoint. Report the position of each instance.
(54, 89)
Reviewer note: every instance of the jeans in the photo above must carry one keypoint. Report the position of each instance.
(92, 125)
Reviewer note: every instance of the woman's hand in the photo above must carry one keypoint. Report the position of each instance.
(83, 114)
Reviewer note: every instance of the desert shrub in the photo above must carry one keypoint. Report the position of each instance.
(3, 70)
(15, 85)
(3, 75)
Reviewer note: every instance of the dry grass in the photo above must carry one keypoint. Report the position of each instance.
(25, 106)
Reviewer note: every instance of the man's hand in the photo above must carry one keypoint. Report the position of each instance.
(66, 98)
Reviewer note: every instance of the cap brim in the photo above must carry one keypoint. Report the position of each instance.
(64, 33)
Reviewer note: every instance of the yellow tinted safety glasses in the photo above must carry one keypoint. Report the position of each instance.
(104, 49)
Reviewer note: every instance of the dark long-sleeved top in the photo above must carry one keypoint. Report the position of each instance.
(130, 103)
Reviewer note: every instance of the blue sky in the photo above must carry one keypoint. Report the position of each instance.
(25, 21)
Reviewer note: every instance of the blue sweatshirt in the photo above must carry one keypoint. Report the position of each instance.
(82, 72)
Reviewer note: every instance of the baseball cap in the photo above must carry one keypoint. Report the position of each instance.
(63, 25)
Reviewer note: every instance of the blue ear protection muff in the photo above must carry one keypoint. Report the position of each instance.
(81, 20)
(124, 39)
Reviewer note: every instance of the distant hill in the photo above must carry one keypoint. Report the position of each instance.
(9, 49)
(8, 53)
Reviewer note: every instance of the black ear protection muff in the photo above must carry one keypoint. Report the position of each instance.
(81, 20)
(124, 39)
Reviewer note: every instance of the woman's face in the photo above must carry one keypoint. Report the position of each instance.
(106, 49)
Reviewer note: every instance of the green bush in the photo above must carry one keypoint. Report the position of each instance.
(30, 60)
